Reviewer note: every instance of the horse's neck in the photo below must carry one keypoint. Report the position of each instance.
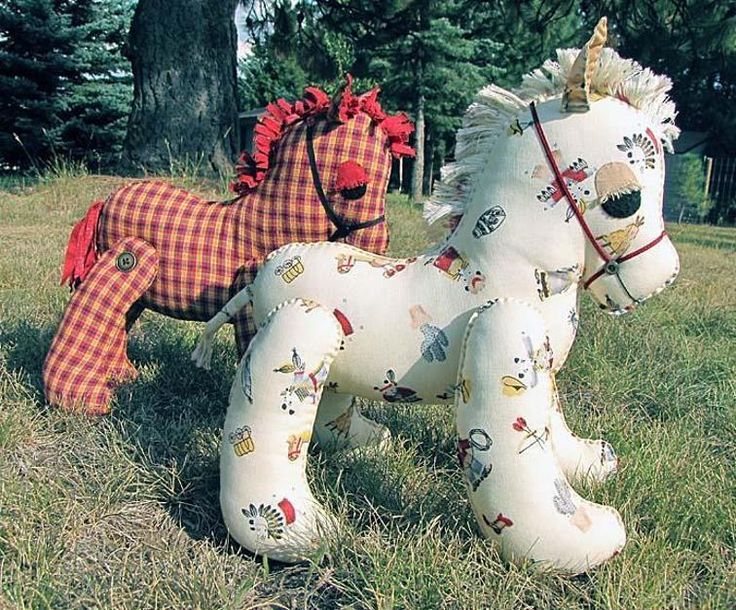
(530, 234)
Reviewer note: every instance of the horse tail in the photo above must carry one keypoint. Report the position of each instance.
(81, 250)
(202, 354)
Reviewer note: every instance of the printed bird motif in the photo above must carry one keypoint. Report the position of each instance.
(619, 241)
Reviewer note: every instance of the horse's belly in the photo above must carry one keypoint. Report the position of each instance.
(394, 348)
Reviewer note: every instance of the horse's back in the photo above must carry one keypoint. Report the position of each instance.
(153, 210)
(198, 254)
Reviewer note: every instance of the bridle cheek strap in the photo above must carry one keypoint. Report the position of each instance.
(343, 228)
(610, 265)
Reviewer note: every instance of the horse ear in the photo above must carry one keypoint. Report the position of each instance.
(577, 87)
(338, 100)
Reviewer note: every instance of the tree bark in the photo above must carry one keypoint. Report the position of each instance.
(183, 56)
(417, 173)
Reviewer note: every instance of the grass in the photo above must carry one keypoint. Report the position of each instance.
(122, 511)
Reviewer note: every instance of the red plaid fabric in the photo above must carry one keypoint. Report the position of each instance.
(207, 251)
(87, 356)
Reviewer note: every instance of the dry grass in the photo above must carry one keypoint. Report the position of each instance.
(122, 512)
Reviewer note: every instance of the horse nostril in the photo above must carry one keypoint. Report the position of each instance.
(623, 205)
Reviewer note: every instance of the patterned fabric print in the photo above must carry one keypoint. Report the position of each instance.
(205, 248)
(207, 252)
(89, 347)
(640, 150)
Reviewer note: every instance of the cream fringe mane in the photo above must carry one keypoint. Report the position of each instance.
(494, 109)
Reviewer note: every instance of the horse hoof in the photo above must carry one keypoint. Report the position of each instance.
(597, 463)
(293, 529)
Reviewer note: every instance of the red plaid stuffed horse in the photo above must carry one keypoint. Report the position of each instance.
(319, 172)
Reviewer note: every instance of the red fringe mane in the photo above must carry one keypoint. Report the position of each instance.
(280, 115)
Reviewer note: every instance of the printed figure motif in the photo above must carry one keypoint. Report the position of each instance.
(246, 379)
(532, 438)
(290, 269)
(640, 150)
(341, 424)
(241, 441)
(563, 499)
(269, 522)
(464, 386)
(346, 262)
(489, 221)
(345, 325)
(608, 455)
(468, 449)
(528, 366)
(304, 385)
(564, 504)
(434, 345)
(559, 281)
(476, 283)
(451, 262)
(392, 392)
(295, 444)
(577, 179)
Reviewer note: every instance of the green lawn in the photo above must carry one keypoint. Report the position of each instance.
(122, 511)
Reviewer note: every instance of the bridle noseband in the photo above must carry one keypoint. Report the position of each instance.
(344, 228)
(611, 266)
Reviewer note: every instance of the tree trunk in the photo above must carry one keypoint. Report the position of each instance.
(417, 173)
(183, 56)
(428, 162)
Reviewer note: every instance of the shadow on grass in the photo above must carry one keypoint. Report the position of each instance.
(171, 418)
(23, 346)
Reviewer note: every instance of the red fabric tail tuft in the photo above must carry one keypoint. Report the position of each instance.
(81, 251)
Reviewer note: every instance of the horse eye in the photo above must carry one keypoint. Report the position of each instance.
(354, 193)
(622, 206)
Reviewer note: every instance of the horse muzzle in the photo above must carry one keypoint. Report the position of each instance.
(619, 285)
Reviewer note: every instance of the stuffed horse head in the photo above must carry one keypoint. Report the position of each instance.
(602, 167)
(332, 155)
(625, 216)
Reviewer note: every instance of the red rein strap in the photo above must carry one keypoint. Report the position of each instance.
(610, 264)
(563, 185)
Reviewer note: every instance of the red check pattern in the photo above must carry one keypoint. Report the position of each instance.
(87, 356)
(204, 252)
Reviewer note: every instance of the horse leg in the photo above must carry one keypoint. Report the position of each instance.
(87, 355)
(521, 498)
(266, 501)
(245, 327)
(579, 458)
(340, 423)
(125, 372)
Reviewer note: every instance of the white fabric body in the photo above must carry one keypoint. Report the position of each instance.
(405, 322)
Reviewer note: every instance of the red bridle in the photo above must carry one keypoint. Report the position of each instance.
(610, 265)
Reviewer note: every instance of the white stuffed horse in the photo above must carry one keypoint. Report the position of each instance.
(558, 186)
